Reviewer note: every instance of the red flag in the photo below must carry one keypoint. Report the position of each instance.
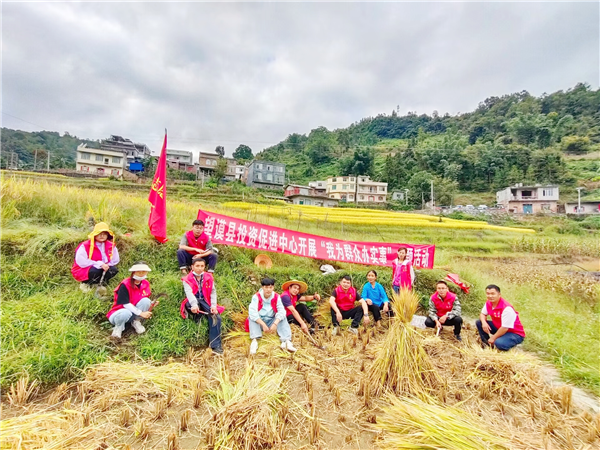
(454, 278)
(157, 222)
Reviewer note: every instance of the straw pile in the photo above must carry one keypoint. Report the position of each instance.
(414, 424)
(246, 412)
(402, 365)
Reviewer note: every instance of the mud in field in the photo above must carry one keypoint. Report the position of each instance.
(139, 406)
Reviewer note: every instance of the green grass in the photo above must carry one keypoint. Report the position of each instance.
(52, 330)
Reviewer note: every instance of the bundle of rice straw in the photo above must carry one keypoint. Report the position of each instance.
(410, 423)
(48, 430)
(112, 382)
(402, 365)
(246, 412)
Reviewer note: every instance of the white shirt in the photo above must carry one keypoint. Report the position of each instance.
(509, 316)
(267, 311)
(82, 257)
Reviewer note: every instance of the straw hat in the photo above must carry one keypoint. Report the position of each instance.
(140, 268)
(263, 261)
(302, 284)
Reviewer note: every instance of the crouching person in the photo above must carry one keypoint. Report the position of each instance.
(342, 302)
(201, 301)
(444, 310)
(295, 306)
(131, 302)
(505, 327)
(266, 314)
(374, 294)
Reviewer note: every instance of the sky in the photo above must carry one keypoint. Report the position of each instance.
(253, 73)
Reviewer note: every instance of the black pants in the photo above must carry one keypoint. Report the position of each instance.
(214, 323)
(304, 313)
(456, 322)
(94, 275)
(376, 311)
(356, 314)
(185, 259)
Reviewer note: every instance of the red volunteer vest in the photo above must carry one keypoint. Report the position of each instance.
(82, 273)
(207, 286)
(443, 306)
(345, 300)
(260, 305)
(294, 299)
(401, 276)
(136, 293)
(496, 314)
(199, 242)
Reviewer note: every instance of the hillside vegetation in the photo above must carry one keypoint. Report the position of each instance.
(508, 139)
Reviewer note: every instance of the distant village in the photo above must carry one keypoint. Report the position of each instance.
(121, 158)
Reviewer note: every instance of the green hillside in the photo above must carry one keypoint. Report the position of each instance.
(508, 139)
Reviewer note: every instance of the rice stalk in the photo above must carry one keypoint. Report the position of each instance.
(21, 392)
(172, 442)
(57, 394)
(141, 430)
(125, 419)
(184, 420)
(410, 423)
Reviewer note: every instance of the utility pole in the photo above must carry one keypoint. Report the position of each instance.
(48, 166)
(432, 200)
(406, 196)
(579, 200)
(35, 161)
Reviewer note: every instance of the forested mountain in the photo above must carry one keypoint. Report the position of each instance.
(508, 139)
(24, 144)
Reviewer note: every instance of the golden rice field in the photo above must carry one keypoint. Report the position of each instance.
(367, 217)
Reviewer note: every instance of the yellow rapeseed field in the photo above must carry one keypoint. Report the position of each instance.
(366, 217)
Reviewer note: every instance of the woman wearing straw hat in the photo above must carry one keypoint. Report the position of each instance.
(95, 258)
(298, 313)
(132, 302)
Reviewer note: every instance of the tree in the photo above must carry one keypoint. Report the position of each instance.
(220, 150)
(243, 153)
(320, 145)
(360, 164)
(220, 170)
(575, 144)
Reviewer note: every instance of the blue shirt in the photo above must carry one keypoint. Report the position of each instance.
(376, 294)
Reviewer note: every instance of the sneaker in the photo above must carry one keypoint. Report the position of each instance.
(290, 347)
(253, 347)
(458, 338)
(353, 330)
(283, 345)
(184, 271)
(218, 351)
(85, 287)
(138, 327)
(335, 331)
(311, 331)
(117, 332)
(211, 270)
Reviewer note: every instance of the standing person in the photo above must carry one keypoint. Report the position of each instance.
(201, 301)
(131, 301)
(96, 256)
(266, 314)
(375, 296)
(444, 309)
(342, 302)
(196, 242)
(505, 327)
(298, 313)
(403, 275)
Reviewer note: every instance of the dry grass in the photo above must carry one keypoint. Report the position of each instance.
(22, 391)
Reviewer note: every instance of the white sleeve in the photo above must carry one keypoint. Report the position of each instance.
(484, 310)
(114, 260)
(281, 310)
(83, 261)
(509, 316)
(189, 294)
(412, 275)
(133, 309)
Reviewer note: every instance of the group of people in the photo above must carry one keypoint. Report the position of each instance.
(96, 262)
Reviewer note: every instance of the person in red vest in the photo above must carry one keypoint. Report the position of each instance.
(296, 310)
(403, 275)
(94, 257)
(201, 301)
(444, 309)
(342, 302)
(131, 301)
(266, 314)
(196, 242)
(505, 327)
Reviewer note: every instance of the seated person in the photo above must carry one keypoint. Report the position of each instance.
(131, 301)
(201, 301)
(444, 309)
(505, 327)
(266, 314)
(342, 302)
(95, 257)
(298, 313)
(375, 296)
(196, 243)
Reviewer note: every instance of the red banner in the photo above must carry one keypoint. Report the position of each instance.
(243, 233)
(157, 221)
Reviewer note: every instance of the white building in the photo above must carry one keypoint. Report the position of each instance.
(398, 196)
(101, 161)
(359, 189)
(529, 199)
